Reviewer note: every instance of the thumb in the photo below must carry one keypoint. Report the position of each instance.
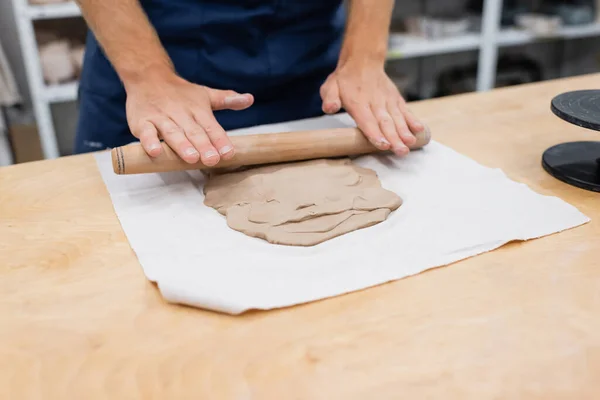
(229, 100)
(330, 94)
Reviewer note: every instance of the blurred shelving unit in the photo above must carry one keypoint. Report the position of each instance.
(43, 96)
(60, 93)
(406, 46)
(401, 46)
(66, 9)
(514, 37)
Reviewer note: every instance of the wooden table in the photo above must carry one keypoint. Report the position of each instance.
(78, 319)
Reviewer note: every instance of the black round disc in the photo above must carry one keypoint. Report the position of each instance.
(576, 163)
(580, 107)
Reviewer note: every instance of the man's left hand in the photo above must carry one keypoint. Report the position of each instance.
(374, 102)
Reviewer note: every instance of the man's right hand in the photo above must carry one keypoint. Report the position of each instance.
(159, 103)
(181, 113)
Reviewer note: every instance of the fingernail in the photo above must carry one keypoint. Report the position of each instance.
(153, 146)
(190, 151)
(334, 106)
(400, 149)
(210, 154)
(225, 149)
(384, 141)
(232, 100)
(410, 140)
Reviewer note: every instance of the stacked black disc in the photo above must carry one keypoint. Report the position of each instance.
(576, 163)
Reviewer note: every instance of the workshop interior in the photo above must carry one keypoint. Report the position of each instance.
(436, 49)
(416, 220)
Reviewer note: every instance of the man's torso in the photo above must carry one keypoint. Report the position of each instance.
(251, 46)
(281, 51)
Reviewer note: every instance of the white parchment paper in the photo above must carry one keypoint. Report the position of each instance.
(454, 208)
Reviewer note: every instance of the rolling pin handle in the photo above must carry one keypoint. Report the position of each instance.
(257, 150)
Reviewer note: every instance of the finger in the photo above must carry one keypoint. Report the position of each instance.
(413, 122)
(367, 123)
(388, 127)
(216, 134)
(229, 100)
(197, 135)
(175, 137)
(401, 127)
(330, 94)
(148, 135)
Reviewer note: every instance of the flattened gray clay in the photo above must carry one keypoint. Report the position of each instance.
(302, 203)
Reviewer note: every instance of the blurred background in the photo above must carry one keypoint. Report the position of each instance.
(437, 48)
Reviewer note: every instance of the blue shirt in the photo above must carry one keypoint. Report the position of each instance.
(281, 51)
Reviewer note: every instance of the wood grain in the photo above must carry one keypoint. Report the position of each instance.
(78, 320)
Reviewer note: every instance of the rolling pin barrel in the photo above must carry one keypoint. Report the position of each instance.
(258, 149)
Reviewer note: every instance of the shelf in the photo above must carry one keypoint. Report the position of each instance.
(61, 93)
(407, 46)
(403, 46)
(514, 37)
(67, 9)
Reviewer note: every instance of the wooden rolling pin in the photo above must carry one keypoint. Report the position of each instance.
(258, 149)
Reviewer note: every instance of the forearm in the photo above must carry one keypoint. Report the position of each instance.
(367, 31)
(127, 38)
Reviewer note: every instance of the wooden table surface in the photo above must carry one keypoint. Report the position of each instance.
(78, 319)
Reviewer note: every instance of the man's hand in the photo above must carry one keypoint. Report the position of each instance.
(360, 84)
(371, 98)
(181, 113)
(159, 103)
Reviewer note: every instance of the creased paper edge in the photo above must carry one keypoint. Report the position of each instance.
(175, 295)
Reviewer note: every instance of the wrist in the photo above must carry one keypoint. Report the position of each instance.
(371, 57)
(362, 61)
(153, 74)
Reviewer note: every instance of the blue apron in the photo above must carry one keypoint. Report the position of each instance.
(281, 51)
